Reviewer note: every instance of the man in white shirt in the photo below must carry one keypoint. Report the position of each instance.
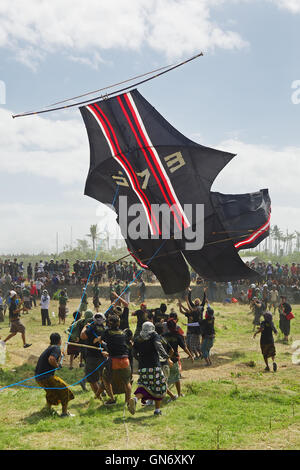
(45, 302)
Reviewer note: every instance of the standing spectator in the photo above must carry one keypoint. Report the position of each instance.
(1, 308)
(285, 311)
(45, 302)
(29, 272)
(274, 299)
(33, 293)
(39, 286)
(96, 294)
(142, 290)
(26, 298)
(84, 301)
(62, 308)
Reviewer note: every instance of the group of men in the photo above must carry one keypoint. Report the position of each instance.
(107, 345)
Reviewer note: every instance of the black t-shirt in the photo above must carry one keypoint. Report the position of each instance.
(141, 318)
(207, 327)
(194, 317)
(13, 306)
(92, 332)
(116, 342)
(159, 315)
(43, 362)
(175, 340)
(268, 329)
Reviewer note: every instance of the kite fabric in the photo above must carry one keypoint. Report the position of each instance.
(154, 165)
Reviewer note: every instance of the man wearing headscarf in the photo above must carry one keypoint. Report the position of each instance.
(148, 351)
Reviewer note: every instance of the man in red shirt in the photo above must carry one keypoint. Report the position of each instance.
(33, 293)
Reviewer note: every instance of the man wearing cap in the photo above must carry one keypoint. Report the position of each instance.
(14, 317)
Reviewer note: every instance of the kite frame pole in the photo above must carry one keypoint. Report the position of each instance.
(80, 345)
(107, 95)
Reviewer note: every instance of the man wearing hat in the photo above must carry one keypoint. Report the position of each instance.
(14, 317)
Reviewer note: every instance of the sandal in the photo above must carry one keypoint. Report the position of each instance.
(110, 402)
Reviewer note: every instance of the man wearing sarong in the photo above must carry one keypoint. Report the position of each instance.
(175, 340)
(267, 345)
(95, 356)
(62, 308)
(149, 352)
(14, 317)
(284, 322)
(117, 371)
(57, 391)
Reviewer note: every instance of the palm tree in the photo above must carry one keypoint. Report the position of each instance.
(94, 235)
(298, 240)
(276, 235)
(291, 237)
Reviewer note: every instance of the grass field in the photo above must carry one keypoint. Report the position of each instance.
(233, 404)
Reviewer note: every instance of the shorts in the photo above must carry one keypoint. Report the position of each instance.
(17, 327)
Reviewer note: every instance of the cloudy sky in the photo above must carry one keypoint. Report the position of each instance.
(242, 96)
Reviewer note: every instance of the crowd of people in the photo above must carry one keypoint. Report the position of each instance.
(58, 273)
(106, 345)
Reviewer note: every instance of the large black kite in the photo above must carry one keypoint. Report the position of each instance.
(133, 148)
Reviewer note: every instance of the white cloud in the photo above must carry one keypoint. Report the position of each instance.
(173, 27)
(257, 167)
(57, 149)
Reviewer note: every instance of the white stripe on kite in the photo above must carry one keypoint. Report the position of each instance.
(121, 163)
(158, 159)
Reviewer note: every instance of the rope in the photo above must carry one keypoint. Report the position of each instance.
(101, 97)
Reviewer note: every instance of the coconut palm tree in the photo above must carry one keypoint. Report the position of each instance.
(298, 240)
(94, 235)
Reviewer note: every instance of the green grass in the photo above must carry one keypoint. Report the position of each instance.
(232, 405)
